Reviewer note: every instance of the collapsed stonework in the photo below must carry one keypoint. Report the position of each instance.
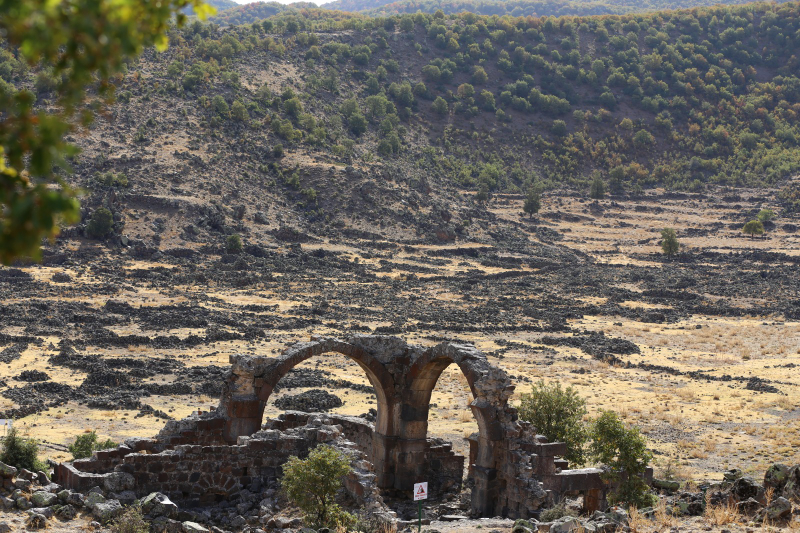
(207, 458)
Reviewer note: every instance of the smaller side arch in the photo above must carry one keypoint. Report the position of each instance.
(490, 389)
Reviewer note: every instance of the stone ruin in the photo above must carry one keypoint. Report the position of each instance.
(214, 457)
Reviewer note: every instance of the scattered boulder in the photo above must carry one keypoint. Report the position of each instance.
(157, 504)
(193, 527)
(745, 487)
(36, 521)
(7, 471)
(776, 477)
(791, 490)
(568, 524)
(107, 511)
(749, 507)
(66, 512)
(41, 498)
(779, 509)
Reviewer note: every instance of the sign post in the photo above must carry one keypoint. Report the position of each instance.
(420, 493)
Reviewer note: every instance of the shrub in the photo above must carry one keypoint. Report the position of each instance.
(21, 452)
(557, 413)
(87, 443)
(669, 242)
(233, 244)
(101, 224)
(598, 189)
(559, 128)
(111, 179)
(556, 512)
(533, 202)
(131, 521)
(277, 150)
(312, 483)
(440, 106)
(624, 451)
(765, 215)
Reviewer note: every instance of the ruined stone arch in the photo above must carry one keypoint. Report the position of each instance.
(491, 389)
(252, 381)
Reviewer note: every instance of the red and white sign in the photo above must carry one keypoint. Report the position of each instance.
(421, 491)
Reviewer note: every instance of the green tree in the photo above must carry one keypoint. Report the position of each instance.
(21, 452)
(479, 76)
(101, 224)
(597, 190)
(312, 483)
(233, 244)
(239, 112)
(533, 202)
(358, 123)
(669, 242)
(643, 138)
(557, 414)
(559, 128)
(753, 228)
(624, 450)
(221, 106)
(86, 443)
(765, 215)
(87, 42)
(440, 106)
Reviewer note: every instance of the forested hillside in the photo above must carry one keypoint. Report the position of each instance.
(520, 8)
(678, 99)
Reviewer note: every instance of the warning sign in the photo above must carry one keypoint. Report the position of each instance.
(421, 491)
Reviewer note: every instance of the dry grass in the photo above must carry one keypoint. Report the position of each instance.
(721, 514)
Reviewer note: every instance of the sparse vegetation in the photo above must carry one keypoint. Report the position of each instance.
(86, 443)
(557, 413)
(233, 244)
(21, 452)
(669, 242)
(624, 450)
(101, 223)
(312, 484)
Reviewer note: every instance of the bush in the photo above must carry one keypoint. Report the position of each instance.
(598, 189)
(87, 443)
(556, 512)
(765, 215)
(533, 202)
(312, 483)
(557, 413)
(624, 451)
(669, 242)
(21, 452)
(131, 521)
(101, 224)
(233, 244)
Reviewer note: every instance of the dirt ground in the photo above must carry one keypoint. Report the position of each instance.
(698, 421)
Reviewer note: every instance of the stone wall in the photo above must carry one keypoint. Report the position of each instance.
(195, 475)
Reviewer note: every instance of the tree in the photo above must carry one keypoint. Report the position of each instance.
(765, 215)
(86, 443)
(753, 228)
(598, 189)
(643, 138)
(239, 112)
(312, 483)
(533, 202)
(557, 414)
(559, 128)
(87, 43)
(624, 451)
(21, 452)
(440, 106)
(479, 76)
(358, 123)
(233, 244)
(101, 224)
(669, 242)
